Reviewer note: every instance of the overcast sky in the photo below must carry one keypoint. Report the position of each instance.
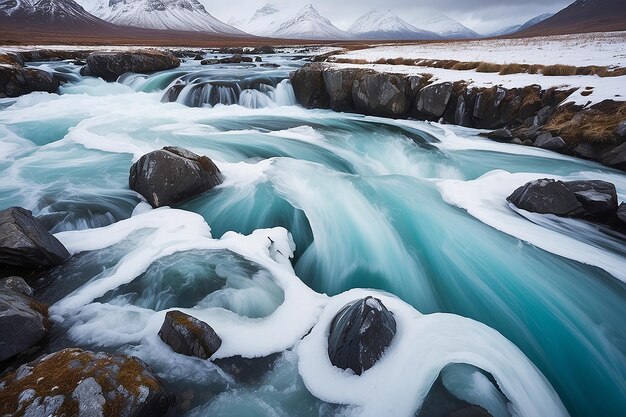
(483, 16)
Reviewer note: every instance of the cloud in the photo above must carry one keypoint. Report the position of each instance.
(483, 16)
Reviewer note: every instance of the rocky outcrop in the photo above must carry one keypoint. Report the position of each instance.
(172, 175)
(80, 383)
(359, 335)
(16, 80)
(23, 321)
(383, 95)
(189, 336)
(25, 243)
(235, 59)
(110, 65)
(591, 200)
(532, 115)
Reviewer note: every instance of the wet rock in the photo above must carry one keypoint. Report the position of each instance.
(546, 196)
(501, 135)
(516, 141)
(359, 335)
(16, 81)
(25, 243)
(308, 86)
(620, 130)
(74, 382)
(16, 284)
(198, 57)
(263, 50)
(172, 93)
(621, 214)
(338, 84)
(598, 198)
(615, 157)
(547, 141)
(211, 61)
(269, 65)
(110, 65)
(189, 336)
(381, 95)
(258, 59)
(22, 320)
(172, 175)
(433, 100)
(247, 370)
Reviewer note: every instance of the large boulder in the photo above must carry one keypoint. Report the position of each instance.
(359, 335)
(381, 94)
(592, 200)
(22, 320)
(549, 142)
(339, 83)
(432, 100)
(598, 198)
(189, 336)
(110, 65)
(25, 243)
(308, 86)
(172, 175)
(74, 382)
(546, 196)
(16, 81)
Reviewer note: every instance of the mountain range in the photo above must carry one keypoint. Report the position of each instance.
(190, 16)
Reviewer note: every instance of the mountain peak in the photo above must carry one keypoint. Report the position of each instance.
(384, 24)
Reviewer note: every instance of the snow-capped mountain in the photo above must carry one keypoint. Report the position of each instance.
(517, 28)
(264, 22)
(187, 15)
(384, 24)
(447, 27)
(47, 12)
(309, 24)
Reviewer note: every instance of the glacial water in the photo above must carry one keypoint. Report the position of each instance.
(317, 209)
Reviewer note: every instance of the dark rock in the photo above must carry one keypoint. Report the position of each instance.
(516, 141)
(526, 133)
(359, 335)
(528, 142)
(498, 107)
(189, 336)
(501, 135)
(110, 65)
(22, 320)
(546, 196)
(547, 141)
(380, 94)
(269, 65)
(598, 198)
(16, 81)
(247, 370)
(25, 243)
(16, 284)
(620, 130)
(211, 61)
(171, 175)
(265, 49)
(198, 57)
(542, 116)
(433, 100)
(415, 84)
(308, 86)
(616, 157)
(258, 59)
(74, 382)
(621, 214)
(172, 93)
(338, 84)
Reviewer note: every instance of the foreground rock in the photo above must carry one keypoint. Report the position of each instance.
(16, 80)
(25, 243)
(172, 175)
(359, 335)
(189, 336)
(591, 200)
(110, 65)
(22, 320)
(74, 382)
(381, 95)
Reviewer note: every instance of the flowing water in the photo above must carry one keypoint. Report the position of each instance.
(317, 209)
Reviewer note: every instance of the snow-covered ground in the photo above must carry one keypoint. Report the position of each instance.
(581, 50)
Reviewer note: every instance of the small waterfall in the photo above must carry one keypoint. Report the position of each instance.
(254, 94)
